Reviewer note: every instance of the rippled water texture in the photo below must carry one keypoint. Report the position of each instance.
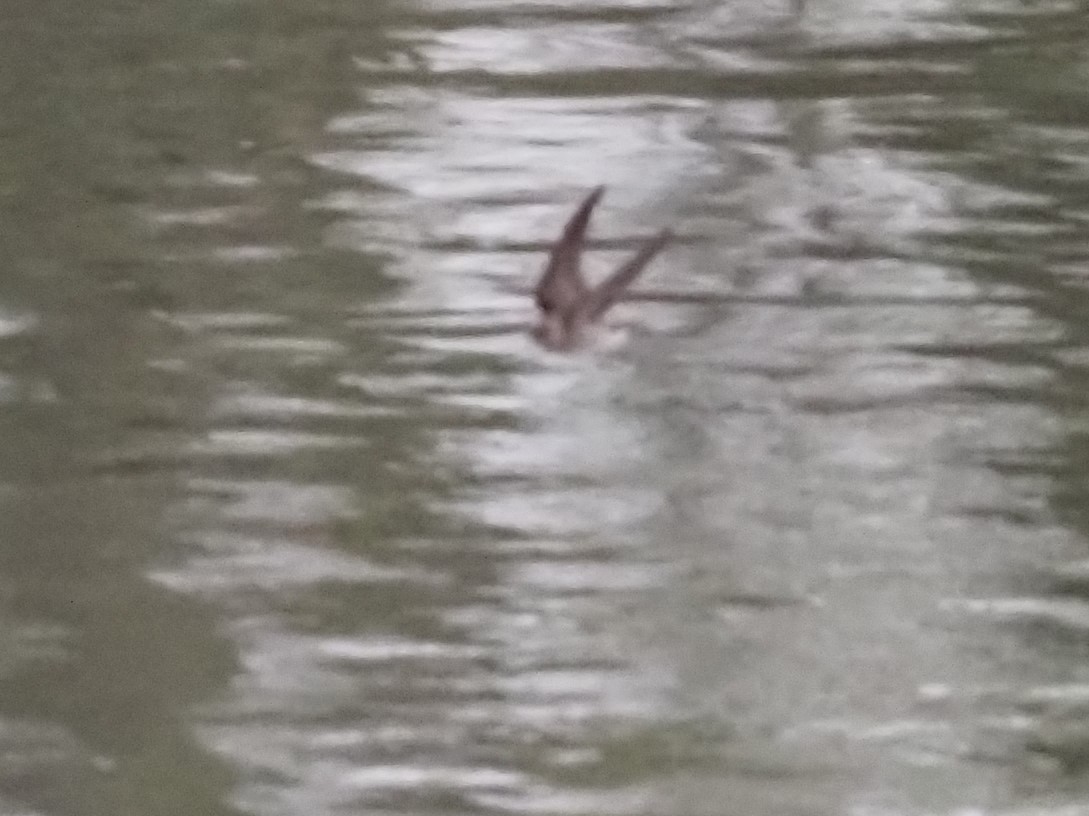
(298, 521)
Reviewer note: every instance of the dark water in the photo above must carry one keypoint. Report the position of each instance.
(296, 520)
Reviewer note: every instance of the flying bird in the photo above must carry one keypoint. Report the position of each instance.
(567, 307)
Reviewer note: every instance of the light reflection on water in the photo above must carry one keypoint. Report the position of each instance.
(804, 546)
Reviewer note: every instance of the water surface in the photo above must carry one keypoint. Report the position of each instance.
(299, 521)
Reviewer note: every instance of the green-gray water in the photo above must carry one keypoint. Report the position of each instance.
(295, 520)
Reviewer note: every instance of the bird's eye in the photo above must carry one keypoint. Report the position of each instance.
(545, 305)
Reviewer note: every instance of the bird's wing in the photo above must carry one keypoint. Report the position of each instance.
(610, 290)
(561, 285)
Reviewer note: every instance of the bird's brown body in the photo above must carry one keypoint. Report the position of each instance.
(567, 307)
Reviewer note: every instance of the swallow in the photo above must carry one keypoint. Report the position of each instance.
(567, 308)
